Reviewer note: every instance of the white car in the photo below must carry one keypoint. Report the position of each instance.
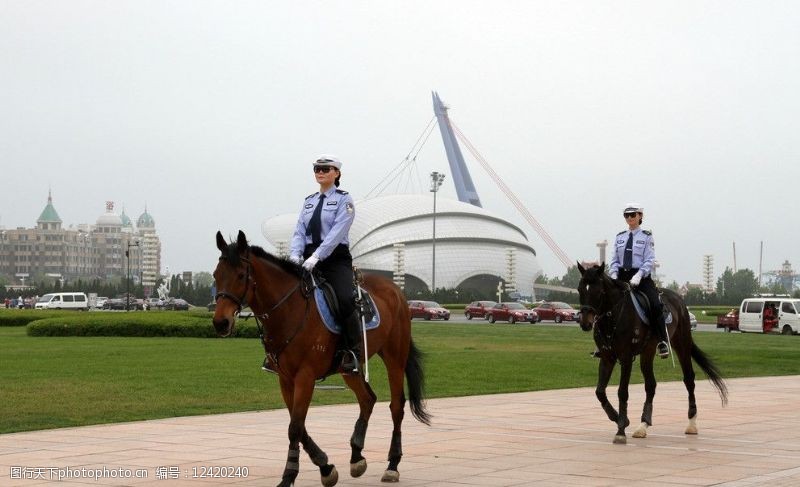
(99, 301)
(692, 321)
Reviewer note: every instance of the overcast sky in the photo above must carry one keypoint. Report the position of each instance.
(211, 112)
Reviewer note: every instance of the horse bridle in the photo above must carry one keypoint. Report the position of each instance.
(239, 302)
(598, 316)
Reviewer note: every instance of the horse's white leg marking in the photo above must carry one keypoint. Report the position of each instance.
(691, 429)
(641, 431)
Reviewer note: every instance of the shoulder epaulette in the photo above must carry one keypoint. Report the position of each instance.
(647, 232)
(624, 231)
(312, 195)
(341, 191)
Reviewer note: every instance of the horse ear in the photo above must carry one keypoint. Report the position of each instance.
(602, 266)
(580, 268)
(241, 241)
(221, 244)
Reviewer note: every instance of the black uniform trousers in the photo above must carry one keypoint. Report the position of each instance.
(648, 287)
(337, 269)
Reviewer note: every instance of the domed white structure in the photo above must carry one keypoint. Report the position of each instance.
(471, 242)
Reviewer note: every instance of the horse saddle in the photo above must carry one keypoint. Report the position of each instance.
(643, 307)
(328, 307)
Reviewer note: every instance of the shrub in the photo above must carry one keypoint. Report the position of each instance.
(151, 324)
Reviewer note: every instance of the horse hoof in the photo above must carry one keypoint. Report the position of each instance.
(357, 469)
(691, 429)
(620, 439)
(641, 431)
(391, 476)
(331, 479)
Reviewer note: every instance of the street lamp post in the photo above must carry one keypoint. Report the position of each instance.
(436, 182)
(128, 281)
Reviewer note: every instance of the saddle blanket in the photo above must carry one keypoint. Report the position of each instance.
(643, 315)
(330, 322)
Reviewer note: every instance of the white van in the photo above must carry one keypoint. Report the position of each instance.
(77, 301)
(786, 318)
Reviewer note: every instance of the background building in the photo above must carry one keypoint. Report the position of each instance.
(50, 251)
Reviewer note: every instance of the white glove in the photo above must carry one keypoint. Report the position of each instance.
(310, 262)
(613, 275)
(296, 259)
(635, 280)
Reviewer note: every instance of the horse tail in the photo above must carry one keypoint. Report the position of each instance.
(416, 384)
(711, 371)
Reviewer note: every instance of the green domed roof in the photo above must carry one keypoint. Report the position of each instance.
(126, 221)
(145, 220)
(49, 214)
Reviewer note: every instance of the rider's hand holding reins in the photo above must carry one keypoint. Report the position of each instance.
(636, 279)
(296, 259)
(310, 262)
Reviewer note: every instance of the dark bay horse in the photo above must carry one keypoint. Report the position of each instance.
(620, 335)
(301, 350)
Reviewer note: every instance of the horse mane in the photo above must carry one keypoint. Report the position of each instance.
(234, 258)
(284, 264)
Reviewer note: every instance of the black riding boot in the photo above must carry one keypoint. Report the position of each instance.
(660, 330)
(351, 333)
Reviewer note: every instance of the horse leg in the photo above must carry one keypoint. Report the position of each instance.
(604, 375)
(624, 379)
(302, 389)
(646, 365)
(685, 358)
(366, 401)
(397, 407)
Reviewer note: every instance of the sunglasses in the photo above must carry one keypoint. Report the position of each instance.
(629, 215)
(322, 169)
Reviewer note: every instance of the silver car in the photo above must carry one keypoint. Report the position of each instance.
(692, 321)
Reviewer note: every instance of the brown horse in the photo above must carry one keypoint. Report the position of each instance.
(301, 350)
(620, 335)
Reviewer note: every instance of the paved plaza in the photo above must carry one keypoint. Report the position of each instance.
(544, 438)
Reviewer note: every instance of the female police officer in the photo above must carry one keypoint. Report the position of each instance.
(321, 240)
(633, 259)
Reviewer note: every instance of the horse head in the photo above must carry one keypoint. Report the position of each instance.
(233, 278)
(592, 290)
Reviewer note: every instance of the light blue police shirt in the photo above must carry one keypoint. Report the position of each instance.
(644, 254)
(338, 212)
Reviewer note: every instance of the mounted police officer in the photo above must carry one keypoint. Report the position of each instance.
(321, 241)
(632, 261)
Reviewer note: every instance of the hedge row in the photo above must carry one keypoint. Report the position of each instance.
(135, 325)
(21, 317)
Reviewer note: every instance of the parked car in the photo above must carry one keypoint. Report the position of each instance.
(478, 309)
(154, 303)
(511, 312)
(212, 306)
(692, 321)
(77, 301)
(556, 311)
(729, 321)
(114, 303)
(430, 310)
(176, 304)
(100, 301)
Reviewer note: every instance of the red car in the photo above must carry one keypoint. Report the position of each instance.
(556, 311)
(430, 310)
(729, 321)
(511, 312)
(478, 309)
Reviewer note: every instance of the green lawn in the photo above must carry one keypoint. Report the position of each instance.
(51, 382)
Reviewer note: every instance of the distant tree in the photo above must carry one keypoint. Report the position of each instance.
(203, 279)
(733, 287)
(571, 278)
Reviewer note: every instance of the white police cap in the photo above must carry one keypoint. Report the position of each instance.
(328, 160)
(633, 208)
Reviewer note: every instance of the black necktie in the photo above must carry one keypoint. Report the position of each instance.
(627, 260)
(315, 224)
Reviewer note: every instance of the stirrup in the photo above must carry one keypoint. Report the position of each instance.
(349, 368)
(266, 367)
(663, 349)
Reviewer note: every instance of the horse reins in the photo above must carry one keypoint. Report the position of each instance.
(598, 317)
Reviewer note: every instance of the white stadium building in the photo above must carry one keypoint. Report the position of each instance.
(393, 234)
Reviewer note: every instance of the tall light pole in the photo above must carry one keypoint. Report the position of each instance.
(128, 281)
(436, 182)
